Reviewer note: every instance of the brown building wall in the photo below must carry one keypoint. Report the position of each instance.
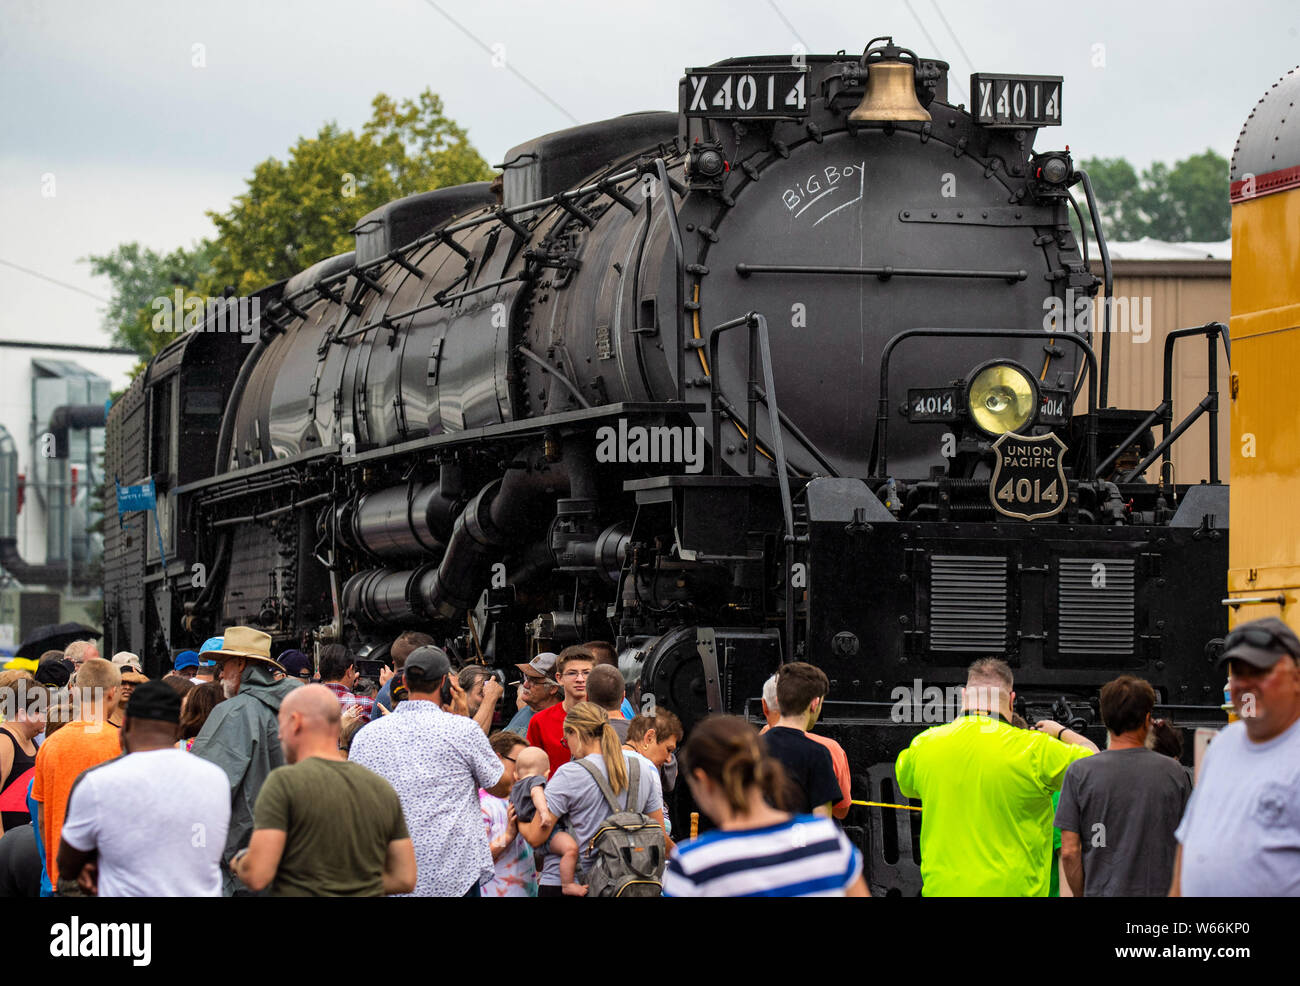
(1182, 293)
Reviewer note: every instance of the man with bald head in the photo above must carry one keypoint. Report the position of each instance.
(322, 826)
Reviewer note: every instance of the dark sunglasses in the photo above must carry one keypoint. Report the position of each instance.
(1256, 637)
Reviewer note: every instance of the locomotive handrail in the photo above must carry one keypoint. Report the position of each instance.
(503, 214)
(1108, 284)
(759, 349)
(884, 273)
(562, 200)
(751, 398)
(679, 266)
(1165, 410)
(882, 406)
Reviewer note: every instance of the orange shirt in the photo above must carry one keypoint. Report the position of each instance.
(840, 763)
(59, 762)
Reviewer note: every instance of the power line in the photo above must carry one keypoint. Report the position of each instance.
(789, 26)
(513, 71)
(956, 40)
(54, 280)
(67, 347)
(933, 47)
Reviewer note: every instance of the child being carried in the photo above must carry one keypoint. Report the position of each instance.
(533, 767)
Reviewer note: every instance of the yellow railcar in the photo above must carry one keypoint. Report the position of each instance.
(1264, 551)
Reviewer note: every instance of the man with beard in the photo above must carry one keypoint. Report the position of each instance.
(1239, 834)
(538, 689)
(241, 735)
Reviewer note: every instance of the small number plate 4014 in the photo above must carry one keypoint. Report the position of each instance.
(934, 404)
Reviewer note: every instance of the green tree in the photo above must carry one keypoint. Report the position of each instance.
(1116, 186)
(302, 210)
(1198, 199)
(294, 212)
(1188, 201)
(140, 275)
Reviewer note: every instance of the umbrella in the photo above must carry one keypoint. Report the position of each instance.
(54, 636)
(15, 795)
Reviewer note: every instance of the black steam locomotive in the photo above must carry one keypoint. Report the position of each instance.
(765, 379)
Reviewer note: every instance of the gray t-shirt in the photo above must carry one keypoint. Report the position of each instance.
(573, 792)
(1125, 805)
(1241, 831)
(521, 796)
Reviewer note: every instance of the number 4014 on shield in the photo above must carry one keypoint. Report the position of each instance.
(1022, 491)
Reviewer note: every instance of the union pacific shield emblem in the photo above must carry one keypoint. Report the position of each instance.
(1028, 478)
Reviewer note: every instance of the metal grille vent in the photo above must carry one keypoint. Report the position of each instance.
(1096, 606)
(968, 603)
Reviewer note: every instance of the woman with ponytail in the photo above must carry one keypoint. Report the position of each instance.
(757, 850)
(574, 794)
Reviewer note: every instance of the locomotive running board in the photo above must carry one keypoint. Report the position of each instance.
(507, 429)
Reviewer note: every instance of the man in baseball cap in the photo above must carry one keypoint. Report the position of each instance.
(436, 762)
(207, 669)
(296, 664)
(241, 735)
(186, 663)
(538, 690)
(1241, 825)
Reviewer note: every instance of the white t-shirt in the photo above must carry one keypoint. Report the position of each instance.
(1241, 829)
(158, 820)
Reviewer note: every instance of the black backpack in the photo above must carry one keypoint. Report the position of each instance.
(628, 850)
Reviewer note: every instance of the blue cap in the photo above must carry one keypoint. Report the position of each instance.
(186, 659)
(212, 643)
(295, 663)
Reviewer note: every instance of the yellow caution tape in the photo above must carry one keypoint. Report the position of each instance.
(881, 804)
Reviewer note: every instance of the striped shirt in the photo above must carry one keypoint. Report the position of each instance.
(806, 856)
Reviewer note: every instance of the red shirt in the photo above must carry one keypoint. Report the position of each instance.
(348, 700)
(546, 730)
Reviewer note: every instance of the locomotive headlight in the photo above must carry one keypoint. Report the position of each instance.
(1002, 397)
(706, 166)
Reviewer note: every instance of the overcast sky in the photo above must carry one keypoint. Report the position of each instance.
(104, 96)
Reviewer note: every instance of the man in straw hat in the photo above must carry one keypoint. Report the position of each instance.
(241, 735)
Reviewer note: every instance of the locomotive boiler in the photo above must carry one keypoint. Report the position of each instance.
(799, 372)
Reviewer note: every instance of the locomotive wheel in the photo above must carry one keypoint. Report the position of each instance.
(674, 675)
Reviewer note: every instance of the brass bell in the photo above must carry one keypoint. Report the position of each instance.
(891, 87)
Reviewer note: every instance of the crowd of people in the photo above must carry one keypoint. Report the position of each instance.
(240, 773)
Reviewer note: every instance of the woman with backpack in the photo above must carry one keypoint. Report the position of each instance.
(758, 850)
(613, 801)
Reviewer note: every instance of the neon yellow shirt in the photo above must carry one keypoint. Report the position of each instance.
(986, 806)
